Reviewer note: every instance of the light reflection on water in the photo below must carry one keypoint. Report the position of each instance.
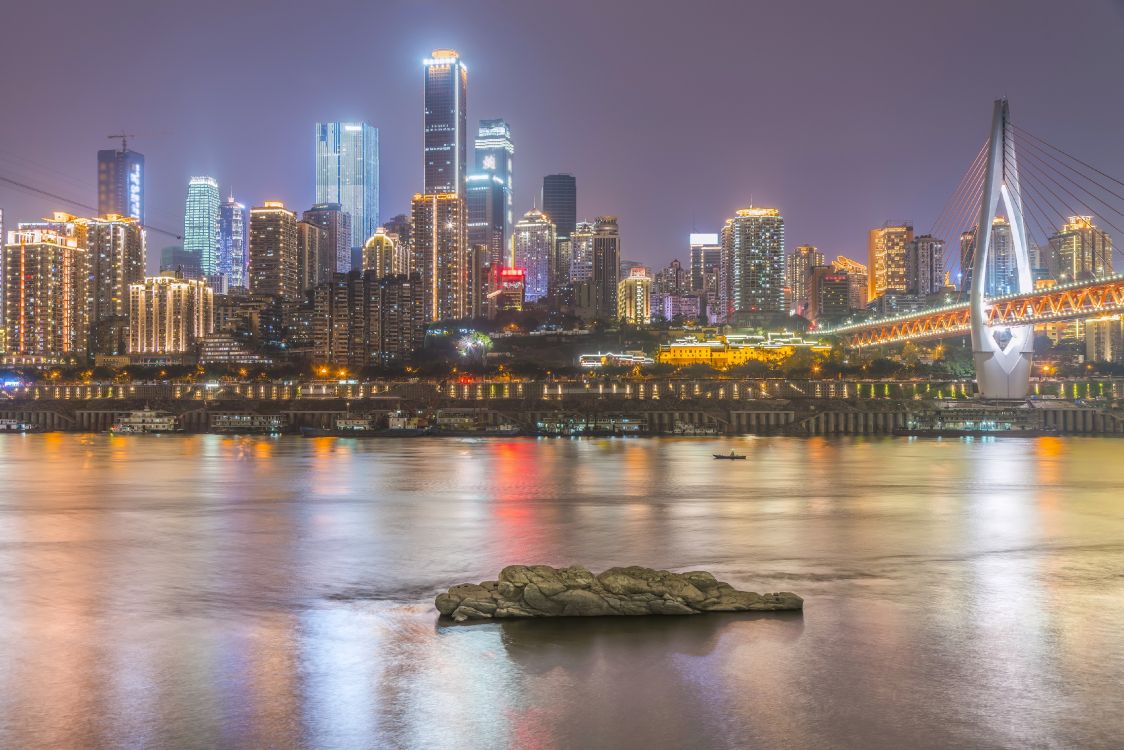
(202, 591)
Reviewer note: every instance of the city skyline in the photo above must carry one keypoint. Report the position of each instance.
(807, 180)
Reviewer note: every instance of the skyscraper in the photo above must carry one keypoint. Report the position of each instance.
(560, 202)
(858, 276)
(606, 266)
(347, 173)
(201, 224)
(495, 155)
(46, 294)
(441, 254)
(121, 182)
(753, 261)
(887, 248)
(316, 256)
(487, 208)
(924, 266)
(1002, 273)
(233, 258)
(798, 265)
(706, 256)
(446, 123)
(273, 251)
(1081, 251)
(534, 251)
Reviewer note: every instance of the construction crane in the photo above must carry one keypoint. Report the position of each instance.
(124, 139)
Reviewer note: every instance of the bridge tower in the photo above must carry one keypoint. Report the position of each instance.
(1003, 355)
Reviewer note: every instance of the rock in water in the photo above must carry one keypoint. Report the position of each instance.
(543, 591)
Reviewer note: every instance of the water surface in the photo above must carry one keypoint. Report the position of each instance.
(207, 591)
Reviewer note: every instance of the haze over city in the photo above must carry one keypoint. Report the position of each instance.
(669, 117)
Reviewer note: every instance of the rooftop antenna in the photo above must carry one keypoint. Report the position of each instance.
(124, 139)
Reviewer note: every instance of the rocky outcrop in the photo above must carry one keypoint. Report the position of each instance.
(543, 591)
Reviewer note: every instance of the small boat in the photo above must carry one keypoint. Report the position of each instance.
(731, 456)
(15, 425)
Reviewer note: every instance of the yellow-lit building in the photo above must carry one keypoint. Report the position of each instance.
(441, 254)
(46, 274)
(887, 249)
(169, 314)
(724, 352)
(634, 298)
(385, 254)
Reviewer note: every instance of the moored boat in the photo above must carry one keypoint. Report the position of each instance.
(146, 422)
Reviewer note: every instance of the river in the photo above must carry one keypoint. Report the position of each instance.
(214, 592)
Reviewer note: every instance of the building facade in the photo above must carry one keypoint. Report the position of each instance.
(486, 201)
(887, 250)
(860, 279)
(347, 173)
(495, 157)
(446, 123)
(273, 251)
(337, 223)
(361, 319)
(169, 314)
(385, 254)
(1081, 251)
(316, 257)
(116, 250)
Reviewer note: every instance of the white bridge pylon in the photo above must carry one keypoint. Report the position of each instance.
(1003, 355)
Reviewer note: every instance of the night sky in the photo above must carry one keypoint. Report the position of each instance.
(671, 115)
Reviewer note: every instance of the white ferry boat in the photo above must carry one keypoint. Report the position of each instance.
(15, 425)
(146, 422)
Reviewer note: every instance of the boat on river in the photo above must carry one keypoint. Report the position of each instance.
(146, 422)
(731, 456)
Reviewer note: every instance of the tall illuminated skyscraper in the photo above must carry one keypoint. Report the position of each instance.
(201, 223)
(487, 207)
(1081, 251)
(753, 261)
(495, 155)
(347, 173)
(534, 251)
(115, 247)
(234, 260)
(581, 252)
(446, 123)
(887, 250)
(441, 255)
(121, 182)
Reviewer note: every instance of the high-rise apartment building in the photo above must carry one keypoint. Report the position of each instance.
(581, 252)
(829, 293)
(858, 275)
(169, 314)
(797, 267)
(273, 251)
(361, 319)
(1002, 273)
(1081, 251)
(887, 251)
(337, 223)
(316, 256)
(446, 123)
(46, 274)
(201, 224)
(384, 254)
(924, 266)
(234, 260)
(441, 254)
(121, 183)
(1104, 339)
(634, 298)
(347, 173)
(706, 256)
(606, 259)
(534, 251)
(495, 156)
(753, 261)
(116, 250)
